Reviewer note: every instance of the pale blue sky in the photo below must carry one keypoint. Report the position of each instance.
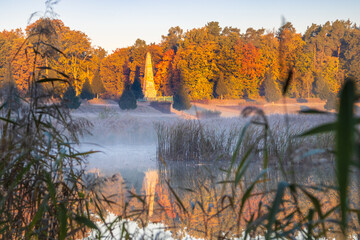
(114, 24)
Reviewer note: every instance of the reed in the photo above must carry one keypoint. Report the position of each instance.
(44, 194)
(209, 140)
(193, 141)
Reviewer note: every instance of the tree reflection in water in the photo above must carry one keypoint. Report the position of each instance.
(199, 200)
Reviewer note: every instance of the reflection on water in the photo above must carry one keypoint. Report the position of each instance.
(203, 199)
(151, 180)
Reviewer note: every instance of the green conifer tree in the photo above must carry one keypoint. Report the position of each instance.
(137, 89)
(70, 100)
(87, 92)
(127, 100)
(181, 99)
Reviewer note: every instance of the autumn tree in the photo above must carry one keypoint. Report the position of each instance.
(70, 48)
(13, 60)
(251, 69)
(171, 41)
(290, 44)
(76, 47)
(115, 71)
(269, 54)
(228, 60)
(196, 63)
(164, 74)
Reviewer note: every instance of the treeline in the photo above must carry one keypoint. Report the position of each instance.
(208, 62)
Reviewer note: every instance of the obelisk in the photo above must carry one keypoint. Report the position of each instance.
(149, 86)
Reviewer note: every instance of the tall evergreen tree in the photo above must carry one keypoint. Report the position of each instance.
(137, 89)
(87, 92)
(70, 100)
(127, 100)
(181, 99)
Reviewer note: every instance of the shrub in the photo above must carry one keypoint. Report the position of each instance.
(127, 100)
(208, 114)
(301, 100)
(181, 100)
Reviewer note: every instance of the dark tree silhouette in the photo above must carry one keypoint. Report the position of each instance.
(87, 92)
(137, 89)
(70, 100)
(181, 100)
(127, 100)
